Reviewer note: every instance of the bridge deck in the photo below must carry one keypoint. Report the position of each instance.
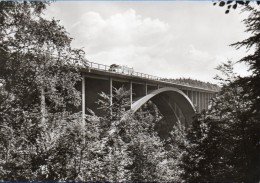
(104, 70)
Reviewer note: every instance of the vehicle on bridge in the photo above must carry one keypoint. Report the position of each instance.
(121, 69)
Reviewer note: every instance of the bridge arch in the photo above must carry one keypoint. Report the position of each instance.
(165, 99)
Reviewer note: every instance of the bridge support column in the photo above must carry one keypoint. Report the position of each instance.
(145, 88)
(200, 107)
(192, 96)
(204, 100)
(131, 93)
(207, 101)
(111, 90)
(83, 103)
(83, 85)
(198, 100)
(201, 101)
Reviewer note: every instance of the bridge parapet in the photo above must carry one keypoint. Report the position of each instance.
(107, 68)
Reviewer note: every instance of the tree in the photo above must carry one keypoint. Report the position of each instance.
(131, 148)
(38, 74)
(234, 4)
(224, 142)
(232, 125)
(42, 134)
(192, 82)
(250, 85)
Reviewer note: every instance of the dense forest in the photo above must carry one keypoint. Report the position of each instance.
(43, 137)
(194, 83)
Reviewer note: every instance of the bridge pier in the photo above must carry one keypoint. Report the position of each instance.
(190, 94)
(83, 98)
(146, 91)
(207, 101)
(197, 100)
(202, 100)
(131, 93)
(111, 90)
(194, 98)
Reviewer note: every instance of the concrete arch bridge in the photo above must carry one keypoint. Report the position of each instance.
(174, 101)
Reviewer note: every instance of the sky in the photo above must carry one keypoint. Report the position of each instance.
(169, 39)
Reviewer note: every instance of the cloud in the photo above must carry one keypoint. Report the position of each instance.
(124, 38)
(202, 61)
(150, 45)
(165, 39)
(198, 55)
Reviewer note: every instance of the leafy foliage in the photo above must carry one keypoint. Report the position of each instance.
(193, 82)
(224, 142)
(38, 74)
(226, 138)
(233, 4)
(131, 148)
(250, 84)
(43, 136)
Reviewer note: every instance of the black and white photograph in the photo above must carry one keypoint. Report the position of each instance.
(130, 91)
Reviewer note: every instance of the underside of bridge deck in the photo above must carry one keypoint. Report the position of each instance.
(172, 102)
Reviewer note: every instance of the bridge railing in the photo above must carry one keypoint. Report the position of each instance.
(99, 66)
(107, 68)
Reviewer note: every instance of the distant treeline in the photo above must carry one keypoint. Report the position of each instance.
(193, 82)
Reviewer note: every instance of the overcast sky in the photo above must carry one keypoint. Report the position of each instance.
(168, 39)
